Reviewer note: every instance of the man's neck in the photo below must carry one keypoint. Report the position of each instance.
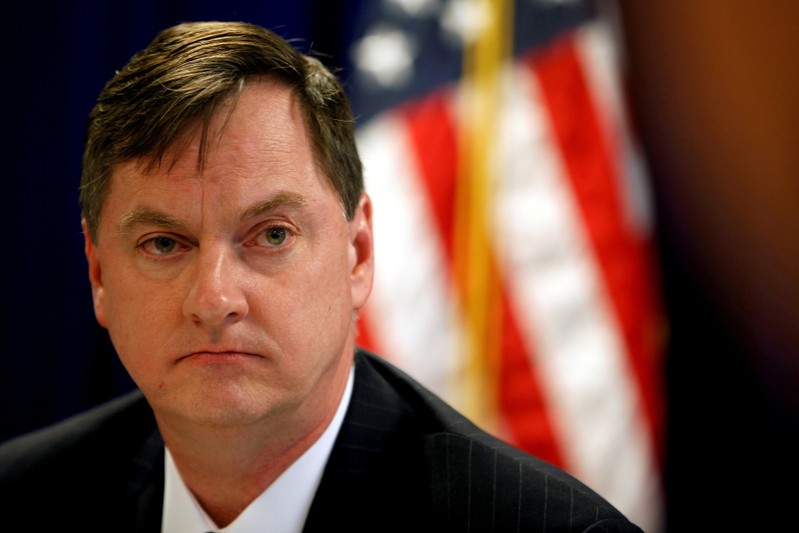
(227, 467)
(226, 479)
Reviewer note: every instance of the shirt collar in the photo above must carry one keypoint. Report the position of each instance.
(281, 508)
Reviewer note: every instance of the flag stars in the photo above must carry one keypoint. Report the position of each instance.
(462, 21)
(415, 8)
(385, 57)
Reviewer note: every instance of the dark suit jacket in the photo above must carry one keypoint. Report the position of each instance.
(403, 461)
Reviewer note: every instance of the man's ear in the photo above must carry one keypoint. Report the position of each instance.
(361, 252)
(95, 275)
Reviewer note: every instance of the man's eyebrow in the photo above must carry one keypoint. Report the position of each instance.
(148, 216)
(279, 200)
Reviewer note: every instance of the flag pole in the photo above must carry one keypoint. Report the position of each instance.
(485, 54)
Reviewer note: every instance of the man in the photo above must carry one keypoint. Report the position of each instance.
(229, 245)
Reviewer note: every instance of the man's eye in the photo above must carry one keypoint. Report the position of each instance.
(160, 245)
(274, 236)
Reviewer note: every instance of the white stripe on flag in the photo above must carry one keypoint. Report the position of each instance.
(412, 301)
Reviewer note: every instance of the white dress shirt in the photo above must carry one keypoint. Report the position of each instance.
(281, 508)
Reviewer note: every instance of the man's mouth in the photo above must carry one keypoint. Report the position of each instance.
(215, 357)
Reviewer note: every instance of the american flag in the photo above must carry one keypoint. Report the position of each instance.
(514, 230)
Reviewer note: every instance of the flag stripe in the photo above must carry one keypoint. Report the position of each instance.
(600, 65)
(615, 317)
(410, 316)
(433, 146)
(524, 407)
(595, 181)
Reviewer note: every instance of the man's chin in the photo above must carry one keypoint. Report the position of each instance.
(218, 407)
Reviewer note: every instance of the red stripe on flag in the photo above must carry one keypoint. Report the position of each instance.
(434, 142)
(520, 398)
(434, 145)
(623, 255)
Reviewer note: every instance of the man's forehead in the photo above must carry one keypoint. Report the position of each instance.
(271, 107)
(260, 140)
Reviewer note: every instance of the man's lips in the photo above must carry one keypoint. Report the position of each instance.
(214, 357)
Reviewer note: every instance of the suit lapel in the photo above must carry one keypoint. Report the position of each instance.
(144, 499)
(376, 468)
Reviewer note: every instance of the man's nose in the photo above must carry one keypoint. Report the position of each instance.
(216, 294)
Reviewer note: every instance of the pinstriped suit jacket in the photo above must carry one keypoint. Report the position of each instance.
(403, 461)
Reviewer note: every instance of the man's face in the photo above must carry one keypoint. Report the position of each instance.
(229, 293)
